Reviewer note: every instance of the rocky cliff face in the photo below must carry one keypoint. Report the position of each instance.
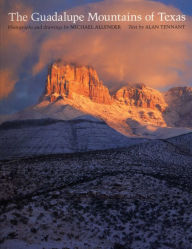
(130, 105)
(141, 96)
(65, 79)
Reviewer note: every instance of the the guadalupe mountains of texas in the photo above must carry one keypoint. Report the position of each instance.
(77, 113)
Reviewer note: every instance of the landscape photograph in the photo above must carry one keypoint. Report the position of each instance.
(96, 124)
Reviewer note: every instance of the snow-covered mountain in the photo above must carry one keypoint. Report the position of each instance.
(72, 91)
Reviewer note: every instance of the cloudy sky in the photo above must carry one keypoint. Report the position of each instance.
(160, 59)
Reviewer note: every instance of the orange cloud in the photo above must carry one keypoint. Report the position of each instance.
(7, 82)
(158, 58)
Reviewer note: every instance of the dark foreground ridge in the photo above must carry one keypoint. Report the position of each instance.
(136, 197)
(28, 138)
(19, 124)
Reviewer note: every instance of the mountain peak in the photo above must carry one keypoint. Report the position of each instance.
(136, 85)
(63, 80)
(141, 96)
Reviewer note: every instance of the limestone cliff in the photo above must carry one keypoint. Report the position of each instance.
(65, 79)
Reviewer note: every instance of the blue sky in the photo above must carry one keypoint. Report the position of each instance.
(184, 5)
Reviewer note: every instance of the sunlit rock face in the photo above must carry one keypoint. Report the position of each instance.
(141, 96)
(65, 79)
(72, 90)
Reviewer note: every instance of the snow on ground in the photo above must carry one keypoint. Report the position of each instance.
(135, 198)
(156, 132)
(134, 211)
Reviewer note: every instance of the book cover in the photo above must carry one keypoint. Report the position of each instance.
(96, 124)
